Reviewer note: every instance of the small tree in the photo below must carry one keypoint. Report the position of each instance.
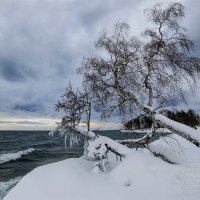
(77, 110)
(77, 113)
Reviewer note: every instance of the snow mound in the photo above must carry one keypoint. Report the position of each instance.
(14, 156)
(176, 149)
(139, 176)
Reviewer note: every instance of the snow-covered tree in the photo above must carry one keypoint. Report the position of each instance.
(131, 75)
(143, 75)
(77, 110)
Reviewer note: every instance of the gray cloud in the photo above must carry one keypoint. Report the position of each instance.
(29, 107)
(23, 122)
(42, 43)
(13, 71)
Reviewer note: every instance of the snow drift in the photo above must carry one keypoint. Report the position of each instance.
(139, 176)
(176, 149)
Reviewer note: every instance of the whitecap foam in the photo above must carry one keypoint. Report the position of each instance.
(14, 156)
(5, 186)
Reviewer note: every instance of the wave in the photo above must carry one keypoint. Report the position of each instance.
(44, 144)
(5, 186)
(14, 156)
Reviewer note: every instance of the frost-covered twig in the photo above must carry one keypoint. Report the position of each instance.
(140, 141)
(143, 140)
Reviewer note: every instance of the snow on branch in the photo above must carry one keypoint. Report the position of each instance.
(99, 148)
(68, 133)
(143, 140)
(102, 143)
(72, 134)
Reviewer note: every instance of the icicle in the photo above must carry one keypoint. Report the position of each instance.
(65, 140)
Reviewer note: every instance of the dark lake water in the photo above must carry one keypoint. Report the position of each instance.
(22, 151)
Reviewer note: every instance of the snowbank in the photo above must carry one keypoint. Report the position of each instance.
(176, 149)
(139, 176)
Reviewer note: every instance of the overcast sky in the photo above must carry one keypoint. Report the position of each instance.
(42, 42)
